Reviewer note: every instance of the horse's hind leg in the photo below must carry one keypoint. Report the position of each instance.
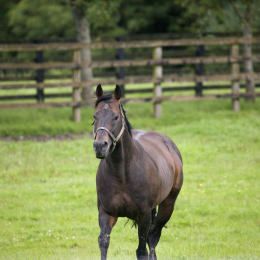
(164, 213)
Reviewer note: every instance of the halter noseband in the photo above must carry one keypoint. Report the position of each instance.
(111, 135)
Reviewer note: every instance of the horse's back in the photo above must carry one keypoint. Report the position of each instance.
(165, 154)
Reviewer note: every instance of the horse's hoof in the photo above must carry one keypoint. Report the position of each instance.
(152, 256)
(142, 258)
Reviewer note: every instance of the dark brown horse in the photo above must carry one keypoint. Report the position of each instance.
(138, 171)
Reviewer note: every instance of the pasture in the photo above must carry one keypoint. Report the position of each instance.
(47, 189)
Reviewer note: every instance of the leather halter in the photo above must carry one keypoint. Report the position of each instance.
(114, 138)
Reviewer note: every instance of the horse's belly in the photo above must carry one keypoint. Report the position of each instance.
(161, 156)
(166, 176)
(119, 205)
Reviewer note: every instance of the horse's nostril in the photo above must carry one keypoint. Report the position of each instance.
(100, 145)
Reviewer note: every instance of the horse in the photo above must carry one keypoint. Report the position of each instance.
(139, 176)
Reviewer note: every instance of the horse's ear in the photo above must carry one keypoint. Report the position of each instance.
(99, 91)
(117, 92)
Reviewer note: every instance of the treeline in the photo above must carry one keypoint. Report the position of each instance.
(83, 20)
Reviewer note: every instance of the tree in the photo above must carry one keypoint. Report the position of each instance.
(83, 36)
(92, 15)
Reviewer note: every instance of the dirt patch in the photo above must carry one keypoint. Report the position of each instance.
(45, 138)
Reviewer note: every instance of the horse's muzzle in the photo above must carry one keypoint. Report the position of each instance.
(101, 149)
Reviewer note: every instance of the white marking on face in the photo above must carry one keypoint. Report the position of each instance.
(106, 106)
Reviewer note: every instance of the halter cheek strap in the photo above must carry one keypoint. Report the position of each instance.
(111, 135)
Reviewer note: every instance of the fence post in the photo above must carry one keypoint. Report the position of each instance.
(248, 64)
(120, 72)
(39, 77)
(199, 70)
(76, 95)
(235, 77)
(157, 79)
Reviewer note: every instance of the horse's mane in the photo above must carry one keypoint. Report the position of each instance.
(128, 125)
(108, 98)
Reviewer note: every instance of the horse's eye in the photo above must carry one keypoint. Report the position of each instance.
(116, 117)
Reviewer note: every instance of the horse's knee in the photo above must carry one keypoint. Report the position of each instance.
(103, 240)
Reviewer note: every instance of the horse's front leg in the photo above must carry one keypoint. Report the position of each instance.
(106, 223)
(144, 223)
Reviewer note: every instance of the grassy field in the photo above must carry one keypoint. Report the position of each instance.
(47, 189)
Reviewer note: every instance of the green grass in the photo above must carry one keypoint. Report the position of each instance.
(54, 121)
(47, 189)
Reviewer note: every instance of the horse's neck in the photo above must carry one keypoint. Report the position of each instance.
(121, 156)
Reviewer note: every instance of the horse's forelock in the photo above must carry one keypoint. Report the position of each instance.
(104, 98)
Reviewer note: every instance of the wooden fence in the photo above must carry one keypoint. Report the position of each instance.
(157, 61)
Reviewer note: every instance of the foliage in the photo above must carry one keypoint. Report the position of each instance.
(153, 16)
(48, 202)
(4, 26)
(221, 15)
(44, 20)
(52, 20)
(103, 17)
(41, 20)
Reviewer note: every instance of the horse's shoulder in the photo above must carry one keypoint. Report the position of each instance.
(137, 134)
(154, 141)
(147, 136)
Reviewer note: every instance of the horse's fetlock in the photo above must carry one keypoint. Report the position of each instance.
(141, 252)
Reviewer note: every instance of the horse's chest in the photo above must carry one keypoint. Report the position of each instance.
(119, 204)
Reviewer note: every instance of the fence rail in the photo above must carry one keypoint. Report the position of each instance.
(170, 78)
(126, 63)
(158, 62)
(127, 45)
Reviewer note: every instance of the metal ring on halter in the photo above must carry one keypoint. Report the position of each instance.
(111, 135)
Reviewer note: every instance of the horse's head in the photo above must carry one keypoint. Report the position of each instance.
(109, 122)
